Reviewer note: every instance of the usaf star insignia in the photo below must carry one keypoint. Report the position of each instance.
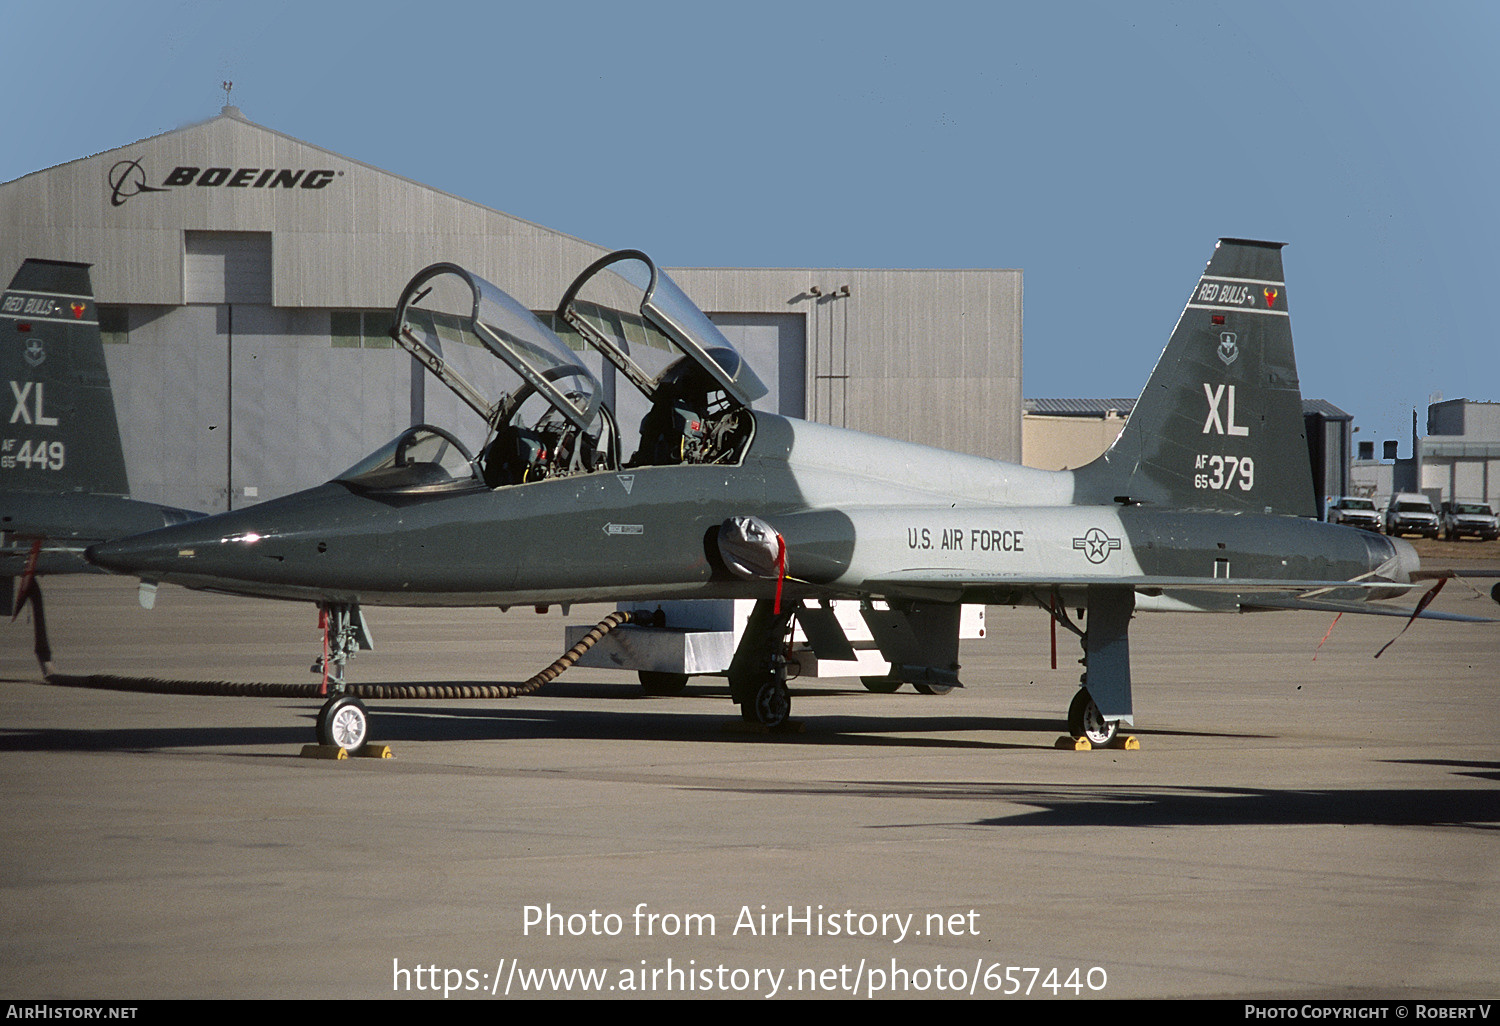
(1096, 545)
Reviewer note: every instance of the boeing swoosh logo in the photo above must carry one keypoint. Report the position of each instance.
(127, 179)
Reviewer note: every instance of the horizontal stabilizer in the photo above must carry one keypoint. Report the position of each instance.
(1375, 608)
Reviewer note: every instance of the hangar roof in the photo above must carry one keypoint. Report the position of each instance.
(125, 210)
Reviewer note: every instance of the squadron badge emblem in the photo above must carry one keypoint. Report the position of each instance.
(1229, 350)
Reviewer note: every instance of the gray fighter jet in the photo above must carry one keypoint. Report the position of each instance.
(62, 471)
(1205, 502)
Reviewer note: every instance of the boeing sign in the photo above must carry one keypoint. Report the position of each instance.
(127, 178)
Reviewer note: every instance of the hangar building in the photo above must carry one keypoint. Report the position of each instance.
(245, 281)
(1460, 457)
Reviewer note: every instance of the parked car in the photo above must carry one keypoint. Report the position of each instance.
(1411, 513)
(1354, 512)
(1472, 518)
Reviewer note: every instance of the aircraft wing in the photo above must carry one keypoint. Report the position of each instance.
(942, 576)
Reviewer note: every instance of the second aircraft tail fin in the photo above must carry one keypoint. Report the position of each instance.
(61, 434)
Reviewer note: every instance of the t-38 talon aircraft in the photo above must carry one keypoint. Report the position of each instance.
(1205, 502)
(62, 471)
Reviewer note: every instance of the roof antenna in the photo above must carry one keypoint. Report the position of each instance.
(229, 108)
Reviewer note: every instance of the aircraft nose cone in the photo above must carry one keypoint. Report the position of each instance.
(136, 556)
(115, 556)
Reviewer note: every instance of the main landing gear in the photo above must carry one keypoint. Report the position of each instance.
(1106, 661)
(757, 674)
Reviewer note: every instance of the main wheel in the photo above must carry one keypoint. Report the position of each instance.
(654, 683)
(344, 723)
(933, 689)
(773, 703)
(882, 685)
(1085, 720)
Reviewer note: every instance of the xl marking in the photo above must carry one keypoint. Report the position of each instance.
(1214, 424)
(20, 414)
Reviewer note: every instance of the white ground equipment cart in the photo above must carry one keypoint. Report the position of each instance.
(698, 638)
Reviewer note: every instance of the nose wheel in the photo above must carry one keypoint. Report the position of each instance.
(344, 723)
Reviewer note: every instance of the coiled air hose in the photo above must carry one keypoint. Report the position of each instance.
(223, 687)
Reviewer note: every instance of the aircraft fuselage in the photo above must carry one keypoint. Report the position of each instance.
(853, 509)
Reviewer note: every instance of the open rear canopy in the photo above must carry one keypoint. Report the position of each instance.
(635, 302)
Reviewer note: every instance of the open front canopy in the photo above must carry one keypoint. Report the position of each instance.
(445, 303)
(637, 302)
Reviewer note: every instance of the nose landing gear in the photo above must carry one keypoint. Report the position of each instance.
(343, 721)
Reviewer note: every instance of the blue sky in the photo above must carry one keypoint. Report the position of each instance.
(1100, 147)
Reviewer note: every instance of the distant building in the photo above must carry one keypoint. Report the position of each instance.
(1061, 434)
(1460, 457)
(1376, 478)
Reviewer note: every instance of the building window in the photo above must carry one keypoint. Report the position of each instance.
(371, 329)
(360, 329)
(114, 324)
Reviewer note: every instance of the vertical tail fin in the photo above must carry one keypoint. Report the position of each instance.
(61, 434)
(1219, 425)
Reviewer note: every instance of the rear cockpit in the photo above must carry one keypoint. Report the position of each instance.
(627, 309)
(550, 418)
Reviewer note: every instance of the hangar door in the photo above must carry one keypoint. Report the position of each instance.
(172, 372)
(775, 346)
(227, 267)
